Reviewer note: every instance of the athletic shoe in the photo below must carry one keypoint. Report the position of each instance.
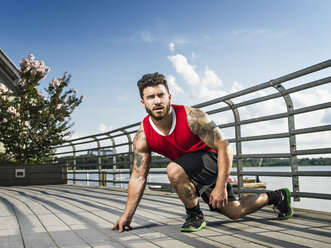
(284, 204)
(194, 222)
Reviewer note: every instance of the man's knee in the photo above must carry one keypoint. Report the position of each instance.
(175, 172)
(232, 210)
(233, 216)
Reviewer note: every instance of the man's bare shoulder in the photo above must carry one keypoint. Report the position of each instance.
(194, 117)
(140, 135)
(194, 112)
(139, 141)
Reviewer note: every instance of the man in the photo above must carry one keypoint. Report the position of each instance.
(201, 160)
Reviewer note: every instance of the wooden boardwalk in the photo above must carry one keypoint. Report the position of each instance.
(77, 216)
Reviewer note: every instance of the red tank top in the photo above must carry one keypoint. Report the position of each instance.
(180, 140)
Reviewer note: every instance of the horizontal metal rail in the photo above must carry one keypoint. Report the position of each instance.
(287, 174)
(118, 142)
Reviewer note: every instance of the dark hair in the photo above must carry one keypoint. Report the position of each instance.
(152, 79)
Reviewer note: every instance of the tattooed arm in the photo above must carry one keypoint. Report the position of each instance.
(201, 125)
(137, 183)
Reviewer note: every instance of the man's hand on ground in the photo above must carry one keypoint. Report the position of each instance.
(121, 223)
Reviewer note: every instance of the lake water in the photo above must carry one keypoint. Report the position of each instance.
(306, 184)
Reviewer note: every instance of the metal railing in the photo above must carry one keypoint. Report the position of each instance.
(278, 114)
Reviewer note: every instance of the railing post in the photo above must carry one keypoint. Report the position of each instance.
(238, 146)
(74, 162)
(292, 140)
(99, 162)
(130, 149)
(87, 178)
(113, 159)
(104, 178)
(121, 179)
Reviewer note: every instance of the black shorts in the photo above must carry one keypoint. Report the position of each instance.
(201, 167)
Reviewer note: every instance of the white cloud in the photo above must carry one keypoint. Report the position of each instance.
(103, 128)
(75, 135)
(171, 47)
(212, 79)
(314, 118)
(236, 87)
(175, 88)
(209, 86)
(185, 69)
(327, 116)
(203, 88)
(311, 119)
(307, 99)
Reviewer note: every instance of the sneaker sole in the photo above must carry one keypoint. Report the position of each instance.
(193, 229)
(288, 198)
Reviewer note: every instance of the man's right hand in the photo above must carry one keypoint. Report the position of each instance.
(121, 223)
(141, 165)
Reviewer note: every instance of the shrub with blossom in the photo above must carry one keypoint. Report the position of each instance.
(31, 122)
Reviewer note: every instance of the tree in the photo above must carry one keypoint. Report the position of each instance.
(32, 123)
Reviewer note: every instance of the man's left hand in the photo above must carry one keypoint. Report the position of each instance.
(218, 197)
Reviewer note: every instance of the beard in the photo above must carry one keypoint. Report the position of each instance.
(161, 115)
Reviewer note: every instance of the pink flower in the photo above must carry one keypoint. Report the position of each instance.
(27, 68)
(34, 66)
(41, 95)
(19, 82)
(31, 57)
(3, 88)
(4, 120)
(24, 63)
(55, 82)
(12, 110)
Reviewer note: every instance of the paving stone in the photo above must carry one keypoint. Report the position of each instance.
(10, 241)
(79, 216)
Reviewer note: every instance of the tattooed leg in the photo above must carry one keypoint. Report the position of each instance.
(184, 187)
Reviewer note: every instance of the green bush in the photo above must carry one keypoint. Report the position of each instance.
(5, 159)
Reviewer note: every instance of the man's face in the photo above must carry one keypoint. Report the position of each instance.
(156, 101)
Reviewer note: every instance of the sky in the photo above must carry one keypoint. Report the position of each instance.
(206, 49)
